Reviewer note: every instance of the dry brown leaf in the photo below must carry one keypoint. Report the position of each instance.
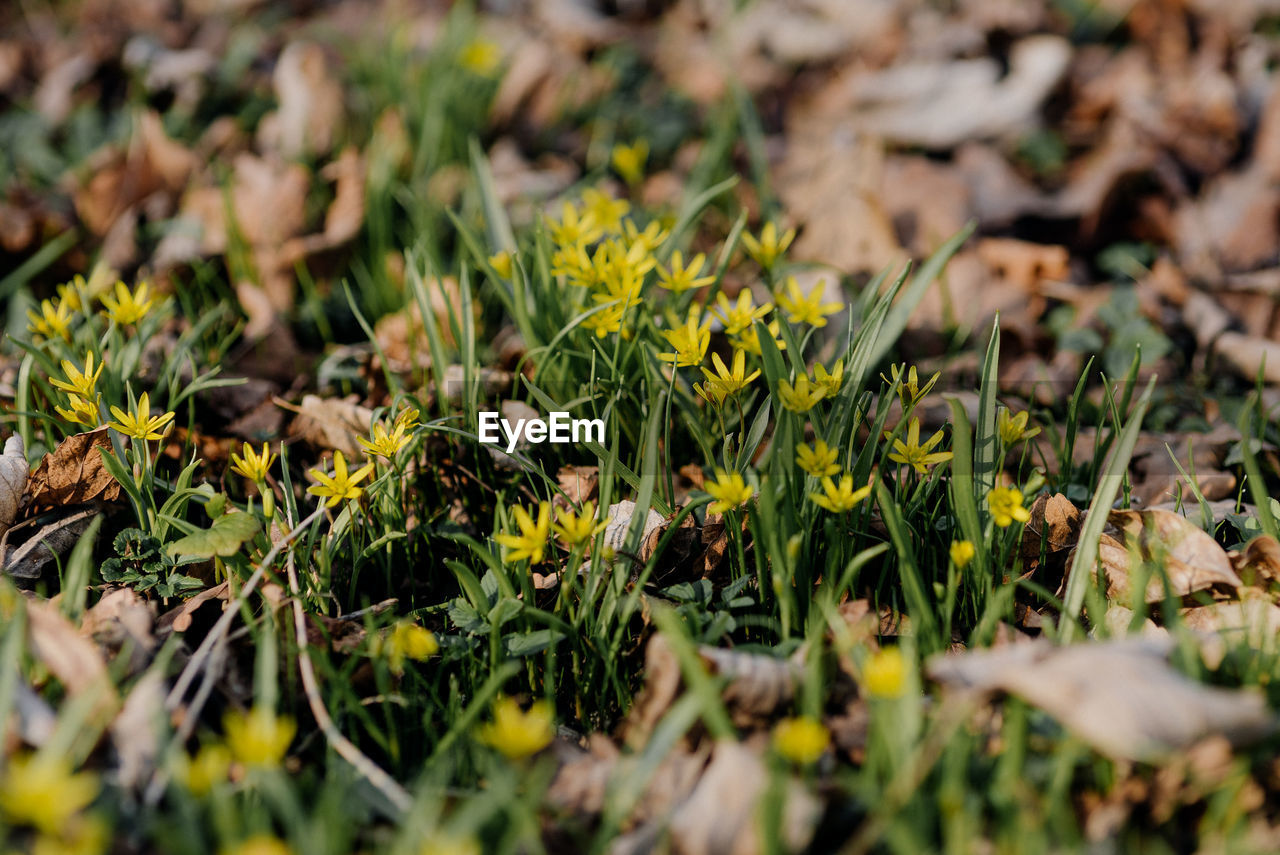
(13, 479)
(720, 816)
(54, 538)
(311, 103)
(1260, 560)
(940, 105)
(73, 473)
(759, 685)
(137, 730)
(121, 622)
(179, 619)
(619, 521)
(1253, 620)
(1121, 697)
(580, 483)
(1024, 264)
(1190, 559)
(583, 782)
(661, 687)
(119, 180)
(1054, 523)
(68, 655)
(332, 424)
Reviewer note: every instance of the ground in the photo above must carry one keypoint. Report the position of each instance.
(918, 365)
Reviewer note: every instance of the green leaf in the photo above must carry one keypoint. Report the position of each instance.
(223, 539)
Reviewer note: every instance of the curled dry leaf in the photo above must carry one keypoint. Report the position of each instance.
(137, 730)
(1253, 620)
(580, 484)
(13, 477)
(1054, 526)
(331, 423)
(121, 623)
(1260, 560)
(73, 474)
(759, 685)
(1170, 545)
(720, 815)
(1121, 697)
(70, 657)
(619, 525)
(57, 537)
(180, 618)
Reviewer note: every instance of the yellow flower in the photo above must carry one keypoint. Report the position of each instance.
(450, 844)
(408, 640)
(83, 835)
(384, 444)
(71, 294)
(44, 791)
(841, 498)
(481, 57)
(518, 734)
(617, 272)
(806, 308)
(82, 383)
(1013, 428)
(800, 740)
(606, 211)
(252, 465)
(140, 424)
(917, 456)
(531, 542)
(749, 338)
(725, 382)
(207, 769)
(829, 383)
(574, 529)
(259, 844)
(769, 247)
(628, 160)
(341, 485)
(689, 342)
(739, 317)
(574, 229)
(82, 412)
(909, 392)
(962, 552)
(258, 737)
(51, 322)
(606, 320)
(818, 460)
(683, 278)
(884, 675)
(1005, 504)
(648, 240)
(801, 397)
(502, 264)
(128, 308)
(729, 490)
(408, 418)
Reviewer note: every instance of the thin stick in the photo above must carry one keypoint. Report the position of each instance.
(220, 628)
(372, 772)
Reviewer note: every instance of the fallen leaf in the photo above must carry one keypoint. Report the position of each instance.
(179, 619)
(73, 473)
(331, 423)
(311, 103)
(13, 478)
(720, 815)
(1174, 547)
(28, 560)
(137, 730)
(68, 655)
(1121, 697)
